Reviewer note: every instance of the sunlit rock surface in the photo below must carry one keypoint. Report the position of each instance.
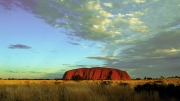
(97, 73)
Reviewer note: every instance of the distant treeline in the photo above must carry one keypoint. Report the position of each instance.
(30, 79)
(78, 78)
(150, 78)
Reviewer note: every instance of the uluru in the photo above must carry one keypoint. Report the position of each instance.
(96, 73)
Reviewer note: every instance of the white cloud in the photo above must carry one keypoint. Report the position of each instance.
(95, 26)
(105, 13)
(134, 14)
(101, 47)
(141, 29)
(108, 4)
(134, 21)
(125, 41)
(140, 1)
(125, 2)
(167, 51)
(156, 0)
(120, 15)
(102, 57)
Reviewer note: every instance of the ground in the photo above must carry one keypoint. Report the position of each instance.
(174, 81)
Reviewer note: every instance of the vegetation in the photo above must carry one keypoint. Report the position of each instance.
(77, 78)
(169, 91)
(162, 89)
(102, 90)
(73, 92)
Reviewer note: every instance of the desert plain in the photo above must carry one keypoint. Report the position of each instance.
(88, 90)
(175, 81)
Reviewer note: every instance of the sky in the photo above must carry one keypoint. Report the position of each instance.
(45, 38)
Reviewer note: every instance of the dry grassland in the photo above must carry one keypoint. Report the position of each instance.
(85, 90)
(174, 81)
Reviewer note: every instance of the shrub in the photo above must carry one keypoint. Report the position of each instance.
(165, 91)
(83, 91)
(123, 84)
(158, 81)
(105, 83)
(57, 82)
(138, 79)
(77, 77)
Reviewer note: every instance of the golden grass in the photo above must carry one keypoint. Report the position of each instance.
(174, 81)
(86, 90)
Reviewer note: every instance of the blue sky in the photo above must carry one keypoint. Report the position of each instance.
(43, 39)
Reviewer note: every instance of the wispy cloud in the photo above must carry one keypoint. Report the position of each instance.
(141, 34)
(15, 71)
(19, 46)
(72, 43)
(11, 71)
(34, 72)
(65, 64)
(53, 51)
(102, 21)
(82, 66)
(102, 57)
(140, 1)
(159, 53)
(92, 20)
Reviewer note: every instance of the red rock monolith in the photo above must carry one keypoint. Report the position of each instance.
(97, 73)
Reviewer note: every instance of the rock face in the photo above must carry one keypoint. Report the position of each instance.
(97, 73)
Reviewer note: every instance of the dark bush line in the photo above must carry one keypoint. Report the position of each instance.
(123, 84)
(165, 91)
(30, 79)
(77, 78)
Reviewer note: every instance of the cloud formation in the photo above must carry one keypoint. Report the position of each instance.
(19, 46)
(14, 71)
(72, 43)
(100, 20)
(140, 36)
(10, 71)
(102, 57)
(92, 20)
(160, 53)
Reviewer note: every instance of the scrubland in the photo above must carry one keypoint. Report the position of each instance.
(89, 90)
